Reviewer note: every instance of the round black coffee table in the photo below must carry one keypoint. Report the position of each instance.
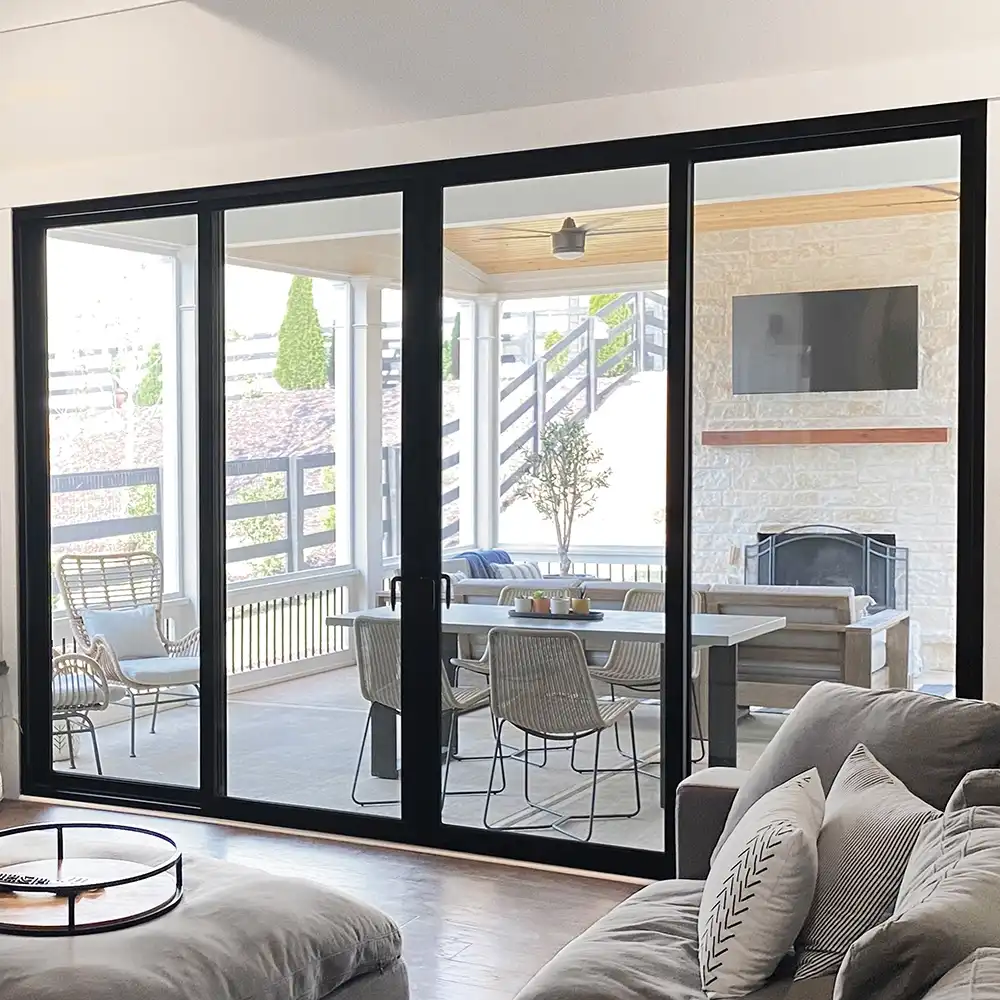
(64, 894)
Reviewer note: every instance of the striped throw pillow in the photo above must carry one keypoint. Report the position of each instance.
(516, 571)
(869, 828)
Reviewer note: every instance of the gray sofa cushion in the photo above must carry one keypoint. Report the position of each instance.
(947, 907)
(977, 788)
(929, 743)
(647, 949)
(238, 934)
(977, 978)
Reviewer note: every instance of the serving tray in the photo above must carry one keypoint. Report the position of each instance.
(593, 616)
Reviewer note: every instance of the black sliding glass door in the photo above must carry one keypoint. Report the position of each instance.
(434, 394)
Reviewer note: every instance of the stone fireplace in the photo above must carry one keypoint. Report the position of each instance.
(821, 555)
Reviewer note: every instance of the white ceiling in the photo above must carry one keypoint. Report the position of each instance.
(100, 78)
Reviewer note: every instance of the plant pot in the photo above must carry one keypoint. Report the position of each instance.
(541, 605)
(581, 605)
(560, 605)
(523, 604)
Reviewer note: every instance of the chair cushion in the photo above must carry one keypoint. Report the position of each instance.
(77, 689)
(929, 743)
(163, 671)
(237, 934)
(647, 949)
(131, 632)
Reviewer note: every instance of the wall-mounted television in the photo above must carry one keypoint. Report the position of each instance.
(837, 341)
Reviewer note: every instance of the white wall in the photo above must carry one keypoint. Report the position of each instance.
(928, 80)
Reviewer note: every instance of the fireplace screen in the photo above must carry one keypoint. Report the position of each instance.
(821, 555)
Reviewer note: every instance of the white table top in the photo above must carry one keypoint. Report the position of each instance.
(635, 626)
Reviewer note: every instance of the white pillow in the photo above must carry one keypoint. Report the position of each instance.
(869, 828)
(131, 633)
(760, 888)
(516, 571)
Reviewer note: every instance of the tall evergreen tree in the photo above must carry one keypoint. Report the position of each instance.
(301, 362)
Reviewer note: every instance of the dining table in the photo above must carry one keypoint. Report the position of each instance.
(720, 634)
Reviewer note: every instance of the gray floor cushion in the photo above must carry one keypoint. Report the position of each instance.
(647, 949)
(238, 934)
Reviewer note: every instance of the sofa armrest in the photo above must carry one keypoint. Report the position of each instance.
(703, 803)
(879, 622)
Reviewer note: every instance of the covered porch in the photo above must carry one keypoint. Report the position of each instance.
(533, 334)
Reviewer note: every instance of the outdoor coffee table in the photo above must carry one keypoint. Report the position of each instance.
(721, 634)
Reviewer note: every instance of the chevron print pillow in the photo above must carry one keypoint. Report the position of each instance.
(871, 824)
(760, 888)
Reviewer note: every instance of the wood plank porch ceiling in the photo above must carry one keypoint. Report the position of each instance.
(495, 249)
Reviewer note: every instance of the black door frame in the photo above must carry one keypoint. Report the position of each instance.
(422, 186)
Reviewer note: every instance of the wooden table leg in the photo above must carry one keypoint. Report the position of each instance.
(722, 706)
(384, 756)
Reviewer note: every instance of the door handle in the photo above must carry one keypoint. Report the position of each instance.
(393, 597)
(446, 580)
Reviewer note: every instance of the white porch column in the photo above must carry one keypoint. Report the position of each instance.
(359, 436)
(487, 420)
(179, 474)
(469, 498)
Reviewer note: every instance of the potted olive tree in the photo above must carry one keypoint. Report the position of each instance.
(562, 480)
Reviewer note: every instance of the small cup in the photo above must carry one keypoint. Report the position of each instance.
(541, 605)
(560, 605)
(581, 605)
(522, 604)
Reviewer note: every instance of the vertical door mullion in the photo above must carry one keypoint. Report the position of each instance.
(969, 615)
(675, 678)
(34, 560)
(420, 507)
(211, 539)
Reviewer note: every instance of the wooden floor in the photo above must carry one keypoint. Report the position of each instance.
(471, 930)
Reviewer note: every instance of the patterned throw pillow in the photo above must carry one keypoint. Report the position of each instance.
(516, 571)
(760, 887)
(871, 824)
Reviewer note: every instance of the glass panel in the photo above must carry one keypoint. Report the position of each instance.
(566, 407)
(123, 457)
(312, 463)
(825, 412)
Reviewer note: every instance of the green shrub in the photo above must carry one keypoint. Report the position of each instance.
(149, 392)
(617, 343)
(302, 354)
(266, 527)
(142, 503)
(559, 362)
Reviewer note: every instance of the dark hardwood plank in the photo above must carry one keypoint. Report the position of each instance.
(472, 930)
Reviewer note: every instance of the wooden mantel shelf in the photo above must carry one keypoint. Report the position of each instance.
(829, 435)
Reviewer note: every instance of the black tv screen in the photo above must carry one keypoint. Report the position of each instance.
(850, 339)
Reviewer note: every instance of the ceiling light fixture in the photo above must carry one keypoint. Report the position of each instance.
(569, 241)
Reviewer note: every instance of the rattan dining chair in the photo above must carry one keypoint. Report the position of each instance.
(636, 666)
(79, 687)
(121, 582)
(376, 643)
(539, 684)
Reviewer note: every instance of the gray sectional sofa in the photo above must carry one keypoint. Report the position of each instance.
(647, 947)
